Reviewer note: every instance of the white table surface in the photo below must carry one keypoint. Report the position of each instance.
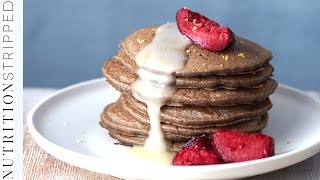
(305, 170)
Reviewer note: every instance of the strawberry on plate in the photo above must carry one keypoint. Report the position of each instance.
(197, 151)
(225, 146)
(233, 146)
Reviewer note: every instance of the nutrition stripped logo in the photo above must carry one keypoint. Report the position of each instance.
(7, 89)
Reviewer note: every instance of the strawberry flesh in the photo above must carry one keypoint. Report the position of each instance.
(197, 151)
(235, 146)
(203, 31)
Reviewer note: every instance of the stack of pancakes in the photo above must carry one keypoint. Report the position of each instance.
(216, 90)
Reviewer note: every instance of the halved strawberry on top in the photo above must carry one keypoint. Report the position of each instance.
(203, 31)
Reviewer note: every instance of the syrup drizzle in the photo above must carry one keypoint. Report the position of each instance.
(157, 63)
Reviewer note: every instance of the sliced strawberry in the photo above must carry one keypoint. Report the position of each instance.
(233, 146)
(197, 151)
(203, 31)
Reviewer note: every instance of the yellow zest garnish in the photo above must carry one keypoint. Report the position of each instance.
(224, 57)
(140, 41)
(241, 55)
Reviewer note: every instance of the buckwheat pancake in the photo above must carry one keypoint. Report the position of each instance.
(199, 116)
(202, 62)
(115, 117)
(137, 140)
(121, 79)
(130, 64)
(175, 133)
(117, 65)
(136, 135)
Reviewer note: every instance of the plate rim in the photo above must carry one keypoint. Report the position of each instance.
(68, 155)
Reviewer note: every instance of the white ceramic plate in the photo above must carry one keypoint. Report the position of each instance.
(66, 126)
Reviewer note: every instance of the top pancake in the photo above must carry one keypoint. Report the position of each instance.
(243, 55)
(123, 64)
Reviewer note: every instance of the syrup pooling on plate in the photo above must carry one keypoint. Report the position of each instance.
(157, 63)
